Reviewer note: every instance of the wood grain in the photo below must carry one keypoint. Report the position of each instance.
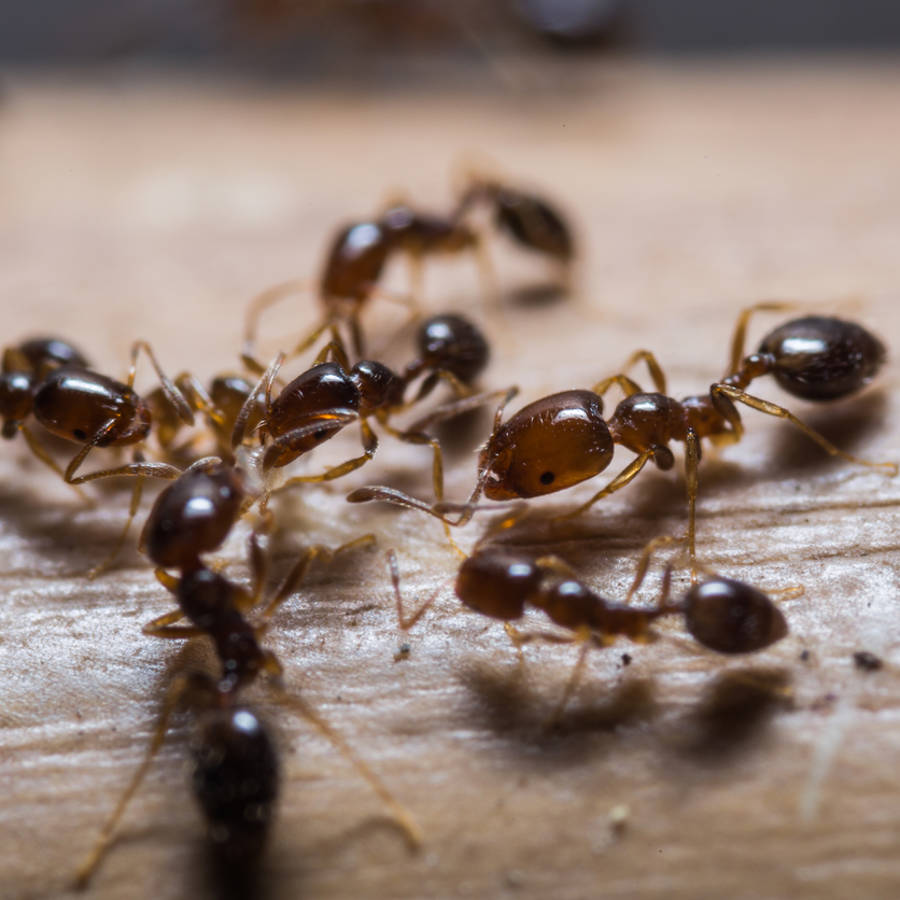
(156, 209)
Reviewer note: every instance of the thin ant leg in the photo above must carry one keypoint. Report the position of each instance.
(628, 385)
(265, 382)
(584, 638)
(262, 302)
(624, 477)
(719, 391)
(94, 858)
(301, 567)
(644, 562)
(137, 468)
(465, 510)
(173, 395)
(43, 455)
(136, 494)
(691, 479)
(198, 397)
(739, 338)
(403, 817)
(407, 622)
(369, 443)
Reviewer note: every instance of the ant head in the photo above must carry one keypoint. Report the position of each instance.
(732, 617)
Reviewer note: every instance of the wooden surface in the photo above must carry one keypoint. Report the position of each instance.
(157, 210)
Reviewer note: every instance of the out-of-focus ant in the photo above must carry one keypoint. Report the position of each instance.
(563, 439)
(500, 582)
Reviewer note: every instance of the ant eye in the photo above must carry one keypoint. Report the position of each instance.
(79, 434)
(547, 478)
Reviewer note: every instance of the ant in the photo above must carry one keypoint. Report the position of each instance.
(722, 614)
(49, 379)
(563, 439)
(355, 264)
(321, 401)
(235, 765)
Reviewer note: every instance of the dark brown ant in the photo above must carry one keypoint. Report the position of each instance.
(48, 379)
(722, 614)
(355, 264)
(235, 767)
(563, 439)
(319, 402)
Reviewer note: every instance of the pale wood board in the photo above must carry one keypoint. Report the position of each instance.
(156, 209)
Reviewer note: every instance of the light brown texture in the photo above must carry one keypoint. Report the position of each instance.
(157, 210)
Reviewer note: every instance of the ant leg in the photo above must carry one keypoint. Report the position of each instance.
(301, 567)
(94, 858)
(265, 382)
(465, 510)
(624, 477)
(457, 407)
(41, 453)
(739, 338)
(334, 348)
(173, 395)
(169, 582)
(630, 386)
(137, 468)
(407, 622)
(103, 565)
(644, 562)
(583, 637)
(486, 273)
(437, 470)
(198, 397)
(258, 305)
(369, 443)
(403, 817)
(718, 391)
(691, 480)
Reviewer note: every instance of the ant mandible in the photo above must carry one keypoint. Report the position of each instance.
(563, 439)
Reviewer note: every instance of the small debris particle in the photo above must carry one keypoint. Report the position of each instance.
(402, 653)
(804, 656)
(867, 662)
(618, 819)
(626, 659)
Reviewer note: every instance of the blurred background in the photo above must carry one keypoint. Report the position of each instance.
(331, 38)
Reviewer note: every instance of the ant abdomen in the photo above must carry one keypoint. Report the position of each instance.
(548, 445)
(822, 358)
(498, 584)
(235, 781)
(534, 224)
(194, 515)
(83, 406)
(730, 616)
